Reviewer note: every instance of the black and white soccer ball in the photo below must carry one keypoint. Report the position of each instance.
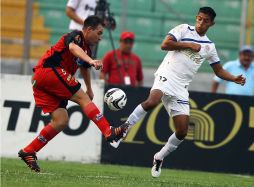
(115, 99)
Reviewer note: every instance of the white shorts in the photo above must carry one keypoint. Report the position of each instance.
(175, 104)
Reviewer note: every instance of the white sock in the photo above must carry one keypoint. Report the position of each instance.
(170, 146)
(136, 115)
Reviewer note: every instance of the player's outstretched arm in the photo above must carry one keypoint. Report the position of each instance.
(79, 52)
(169, 44)
(223, 74)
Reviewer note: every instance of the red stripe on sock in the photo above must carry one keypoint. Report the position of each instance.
(93, 113)
(46, 134)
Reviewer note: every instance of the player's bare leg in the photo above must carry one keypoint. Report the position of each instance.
(60, 119)
(81, 98)
(153, 100)
(140, 111)
(181, 124)
(92, 112)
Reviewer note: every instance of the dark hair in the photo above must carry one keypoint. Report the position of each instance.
(93, 21)
(209, 11)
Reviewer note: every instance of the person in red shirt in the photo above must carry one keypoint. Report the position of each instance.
(53, 85)
(129, 63)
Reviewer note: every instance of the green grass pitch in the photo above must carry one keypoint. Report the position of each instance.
(15, 173)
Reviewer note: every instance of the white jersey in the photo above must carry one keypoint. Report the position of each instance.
(180, 66)
(83, 9)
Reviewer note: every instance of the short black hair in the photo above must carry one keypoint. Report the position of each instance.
(93, 21)
(209, 11)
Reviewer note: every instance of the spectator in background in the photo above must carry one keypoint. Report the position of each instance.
(78, 11)
(244, 66)
(130, 64)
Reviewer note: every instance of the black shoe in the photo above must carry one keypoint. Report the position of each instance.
(117, 133)
(29, 159)
(115, 144)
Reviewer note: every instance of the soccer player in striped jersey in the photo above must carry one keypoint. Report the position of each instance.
(53, 85)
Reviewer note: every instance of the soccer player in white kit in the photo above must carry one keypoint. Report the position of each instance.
(188, 47)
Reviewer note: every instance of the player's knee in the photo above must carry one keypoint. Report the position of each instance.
(63, 123)
(181, 133)
(149, 104)
(80, 97)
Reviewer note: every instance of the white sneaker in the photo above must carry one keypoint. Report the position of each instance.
(115, 144)
(156, 169)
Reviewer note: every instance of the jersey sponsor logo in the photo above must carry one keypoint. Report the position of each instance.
(34, 83)
(78, 61)
(42, 139)
(207, 48)
(178, 28)
(69, 77)
(73, 79)
(78, 38)
(98, 117)
(195, 57)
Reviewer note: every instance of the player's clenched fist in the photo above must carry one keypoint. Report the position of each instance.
(195, 47)
(97, 64)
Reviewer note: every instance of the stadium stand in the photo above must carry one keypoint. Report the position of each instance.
(13, 30)
(150, 20)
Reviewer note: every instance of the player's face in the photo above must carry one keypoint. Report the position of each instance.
(203, 22)
(94, 36)
(246, 58)
(126, 45)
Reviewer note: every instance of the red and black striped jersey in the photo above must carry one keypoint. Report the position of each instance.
(59, 55)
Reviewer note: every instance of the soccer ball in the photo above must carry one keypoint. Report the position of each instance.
(115, 99)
